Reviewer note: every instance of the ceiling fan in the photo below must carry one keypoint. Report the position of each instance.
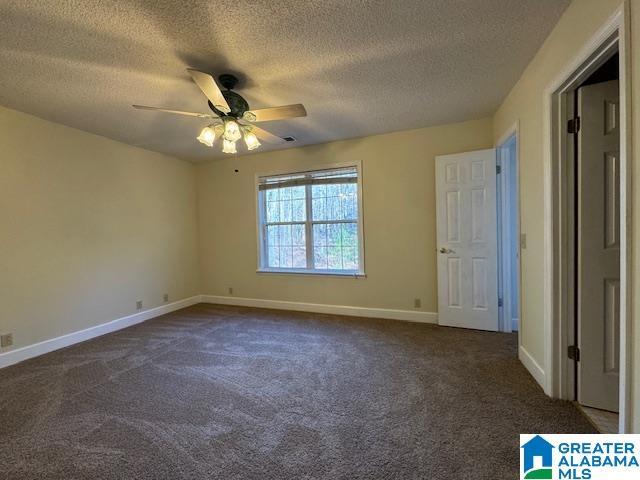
(232, 112)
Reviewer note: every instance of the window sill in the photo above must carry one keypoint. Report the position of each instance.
(323, 273)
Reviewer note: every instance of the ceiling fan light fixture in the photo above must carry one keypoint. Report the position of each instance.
(207, 136)
(228, 146)
(228, 110)
(251, 140)
(232, 131)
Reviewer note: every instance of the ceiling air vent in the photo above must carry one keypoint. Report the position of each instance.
(289, 139)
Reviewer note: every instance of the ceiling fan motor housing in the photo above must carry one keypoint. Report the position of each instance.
(237, 104)
(228, 81)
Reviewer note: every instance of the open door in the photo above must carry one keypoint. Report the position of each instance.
(467, 240)
(598, 234)
(508, 234)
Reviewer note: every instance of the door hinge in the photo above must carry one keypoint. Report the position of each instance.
(573, 352)
(573, 125)
(498, 169)
(500, 302)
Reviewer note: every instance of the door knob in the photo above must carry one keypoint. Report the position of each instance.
(446, 250)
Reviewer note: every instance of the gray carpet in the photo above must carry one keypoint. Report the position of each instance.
(237, 393)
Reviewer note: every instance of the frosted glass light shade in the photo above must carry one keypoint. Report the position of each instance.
(228, 146)
(207, 136)
(251, 140)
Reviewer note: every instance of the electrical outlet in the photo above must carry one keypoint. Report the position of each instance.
(523, 241)
(139, 305)
(166, 297)
(230, 289)
(417, 303)
(6, 340)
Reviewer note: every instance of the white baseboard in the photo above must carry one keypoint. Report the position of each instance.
(534, 369)
(20, 354)
(17, 355)
(406, 315)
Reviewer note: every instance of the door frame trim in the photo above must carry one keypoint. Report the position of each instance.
(614, 33)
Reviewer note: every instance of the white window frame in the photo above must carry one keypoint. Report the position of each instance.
(260, 216)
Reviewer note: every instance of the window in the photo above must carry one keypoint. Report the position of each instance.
(310, 222)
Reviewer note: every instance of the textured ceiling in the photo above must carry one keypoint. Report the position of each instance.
(360, 67)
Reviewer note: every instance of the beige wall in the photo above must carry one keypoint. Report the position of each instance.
(88, 226)
(580, 21)
(399, 218)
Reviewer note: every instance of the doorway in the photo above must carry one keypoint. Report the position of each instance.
(594, 133)
(508, 232)
(478, 238)
(567, 213)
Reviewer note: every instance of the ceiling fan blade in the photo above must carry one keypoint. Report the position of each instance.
(210, 88)
(275, 113)
(268, 137)
(177, 112)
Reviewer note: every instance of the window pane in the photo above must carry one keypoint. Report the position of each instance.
(334, 258)
(299, 211)
(336, 246)
(350, 235)
(285, 211)
(285, 235)
(274, 257)
(298, 193)
(285, 193)
(272, 195)
(299, 257)
(320, 235)
(286, 257)
(319, 209)
(333, 190)
(335, 202)
(349, 258)
(320, 258)
(333, 234)
(273, 211)
(333, 208)
(273, 236)
(349, 188)
(298, 236)
(349, 207)
(319, 191)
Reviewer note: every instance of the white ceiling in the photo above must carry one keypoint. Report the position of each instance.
(360, 67)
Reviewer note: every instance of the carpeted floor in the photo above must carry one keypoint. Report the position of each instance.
(237, 393)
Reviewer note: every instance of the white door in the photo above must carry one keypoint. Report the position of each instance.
(467, 240)
(599, 245)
